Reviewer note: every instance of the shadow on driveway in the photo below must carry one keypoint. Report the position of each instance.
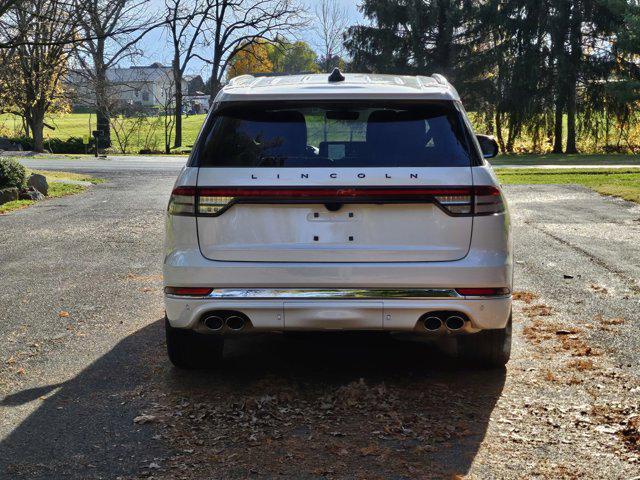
(311, 407)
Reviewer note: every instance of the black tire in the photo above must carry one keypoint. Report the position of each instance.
(488, 348)
(190, 350)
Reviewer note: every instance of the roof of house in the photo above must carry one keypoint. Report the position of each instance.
(138, 74)
(354, 85)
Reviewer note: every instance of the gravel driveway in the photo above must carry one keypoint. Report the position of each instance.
(86, 391)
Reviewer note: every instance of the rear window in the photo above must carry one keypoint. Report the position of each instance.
(335, 135)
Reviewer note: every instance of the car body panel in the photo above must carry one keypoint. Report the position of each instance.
(356, 232)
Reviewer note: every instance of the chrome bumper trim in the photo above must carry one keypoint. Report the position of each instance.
(336, 293)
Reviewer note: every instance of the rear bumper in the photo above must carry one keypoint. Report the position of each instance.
(309, 313)
(480, 268)
(487, 264)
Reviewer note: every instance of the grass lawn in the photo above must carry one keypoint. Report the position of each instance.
(623, 183)
(560, 160)
(82, 124)
(56, 189)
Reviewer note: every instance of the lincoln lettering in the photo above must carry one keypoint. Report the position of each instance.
(307, 176)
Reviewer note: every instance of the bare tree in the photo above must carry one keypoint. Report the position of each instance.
(110, 29)
(166, 100)
(235, 24)
(185, 22)
(5, 5)
(126, 125)
(34, 68)
(331, 22)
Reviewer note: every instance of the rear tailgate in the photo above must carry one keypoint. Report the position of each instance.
(292, 229)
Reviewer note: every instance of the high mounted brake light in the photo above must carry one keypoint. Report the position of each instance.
(457, 201)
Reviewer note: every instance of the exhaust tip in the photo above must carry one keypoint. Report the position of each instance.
(454, 322)
(235, 322)
(432, 323)
(213, 322)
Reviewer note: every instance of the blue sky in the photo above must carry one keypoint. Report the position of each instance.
(156, 47)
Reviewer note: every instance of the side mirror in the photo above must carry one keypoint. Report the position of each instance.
(488, 145)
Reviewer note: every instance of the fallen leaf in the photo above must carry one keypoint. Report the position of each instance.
(564, 332)
(63, 314)
(141, 419)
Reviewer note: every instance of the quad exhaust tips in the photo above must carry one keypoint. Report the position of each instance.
(454, 323)
(432, 323)
(235, 323)
(218, 320)
(451, 321)
(213, 322)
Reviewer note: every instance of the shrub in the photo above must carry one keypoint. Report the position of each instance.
(12, 174)
(70, 145)
(57, 145)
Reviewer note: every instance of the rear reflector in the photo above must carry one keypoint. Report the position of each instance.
(188, 291)
(483, 292)
(480, 200)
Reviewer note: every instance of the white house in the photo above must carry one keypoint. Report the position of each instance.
(147, 86)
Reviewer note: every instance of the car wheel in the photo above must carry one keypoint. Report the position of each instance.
(488, 348)
(190, 350)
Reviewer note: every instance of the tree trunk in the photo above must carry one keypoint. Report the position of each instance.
(177, 76)
(37, 129)
(560, 55)
(575, 39)
(215, 81)
(558, 127)
(571, 120)
(416, 44)
(103, 116)
(444, 40)
(499, 131)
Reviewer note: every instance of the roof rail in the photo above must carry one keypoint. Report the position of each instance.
(281, 74)
(240, 79)
(440, 79)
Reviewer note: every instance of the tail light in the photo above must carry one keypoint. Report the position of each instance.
(488, 200)
(456, 201)
(182, 201)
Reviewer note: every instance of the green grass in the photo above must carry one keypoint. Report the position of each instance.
(561, 159)
(82, 124)
(56, 189)
(15, 205)
(67, 176)
(623, 183)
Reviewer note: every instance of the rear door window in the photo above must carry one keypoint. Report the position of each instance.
(367, 134)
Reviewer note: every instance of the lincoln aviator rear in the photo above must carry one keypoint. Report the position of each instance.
(353, 202)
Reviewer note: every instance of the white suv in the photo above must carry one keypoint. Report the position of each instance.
(342, 202)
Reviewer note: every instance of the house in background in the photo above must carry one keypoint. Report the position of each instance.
(196, 100)
(145, 87)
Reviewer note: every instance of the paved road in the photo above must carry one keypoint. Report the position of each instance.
(81, 356)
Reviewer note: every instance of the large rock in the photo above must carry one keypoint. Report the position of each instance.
(31, 193)
(39, 182)
(8, 195)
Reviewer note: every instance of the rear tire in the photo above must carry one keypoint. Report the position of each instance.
(488, 348)
(190, 350)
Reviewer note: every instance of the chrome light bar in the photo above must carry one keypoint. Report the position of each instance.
(333, 293)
